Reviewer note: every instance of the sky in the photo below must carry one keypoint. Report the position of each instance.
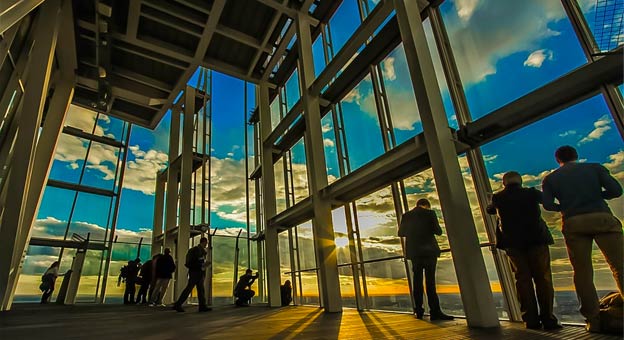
(504, 50)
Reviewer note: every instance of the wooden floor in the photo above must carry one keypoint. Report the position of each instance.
(29, 321)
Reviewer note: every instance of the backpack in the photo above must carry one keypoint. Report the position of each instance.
(123, 272)
(612, 314)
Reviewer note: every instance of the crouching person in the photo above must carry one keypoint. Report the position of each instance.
(243, 292)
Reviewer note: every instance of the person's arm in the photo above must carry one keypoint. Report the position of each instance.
(548, 198)
(436, 225)
(403, 226)
(612, 188)
(491, 208)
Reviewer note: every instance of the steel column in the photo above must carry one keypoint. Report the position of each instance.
(470, 268)
(322, 224)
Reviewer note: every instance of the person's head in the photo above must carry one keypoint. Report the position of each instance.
(203, 242)
(566, 154)
(167, 251)
(287, 283)
(512, 178)
(423, 203)
(248, 271)
(137, 260)
(55, 264)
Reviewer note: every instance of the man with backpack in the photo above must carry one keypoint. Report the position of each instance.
(196, 264)
(165, 266)
(130, 272)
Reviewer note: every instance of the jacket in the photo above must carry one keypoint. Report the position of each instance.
(196, 259)
(419, 226)
(521, 223)
(165, 266)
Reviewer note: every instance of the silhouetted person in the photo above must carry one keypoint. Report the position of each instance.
(196, 264)
(47, 281)
(131, 273)
(165, 266)
(147, 276)
(581, 189)
(286, 293)
(525, 237)
(419, 227)
(243, 291)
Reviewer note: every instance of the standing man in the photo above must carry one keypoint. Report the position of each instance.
(581, 189)
(419, 227)
(196, 264)
(165, 266)
(525, 237)
(146, 278)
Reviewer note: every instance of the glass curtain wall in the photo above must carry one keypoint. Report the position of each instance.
(503, 51)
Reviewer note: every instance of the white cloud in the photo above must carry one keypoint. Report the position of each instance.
(141, 172)
(465, 8)
(388, 69)
(601, 126)
(230, 154)
(328, 142)
(536, 59)
(489, 158)
(326, 128)
(567, 133)
(497, 29)
(353, 96)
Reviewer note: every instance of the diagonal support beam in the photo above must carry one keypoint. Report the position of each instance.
(12, 11)
(209, 29)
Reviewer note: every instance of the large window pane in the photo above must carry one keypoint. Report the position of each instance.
(505, 49)
(330, 145)
(360, 119)
(378, 225)
(299, 171)
(343, 23)
(387, 285)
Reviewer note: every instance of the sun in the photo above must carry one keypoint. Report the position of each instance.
(342, 242)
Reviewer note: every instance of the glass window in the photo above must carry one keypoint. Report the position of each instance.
(588, 127)
(447, 286)
(343, 23)
(378, 225)
(299, 171)
(318, 53)
(505, 49)
(329, 144)
(280, 185)
(305, 246)
(69, 158)
(341, 236)
(387, 285)
(223, 252)
(292, 91)
(276, 115)
(361, 119)
(605, 22)
(347, 288)
(101, 166)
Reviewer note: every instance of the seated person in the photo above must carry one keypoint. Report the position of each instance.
(286, 293)
(243, 291)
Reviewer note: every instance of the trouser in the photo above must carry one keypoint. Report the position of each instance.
(47, 293)
(160, 289)
(532, 266)
(196, 279)
(428, 265)
(579, 231)
(129, 292)
(142, 296)
(244, 297)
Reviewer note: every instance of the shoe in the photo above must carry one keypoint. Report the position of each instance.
(152, 304)
(204, 309)
(418, 316)
(593, 325)
(552, 326)
(178, 308)
(440, 316)
(162, 305)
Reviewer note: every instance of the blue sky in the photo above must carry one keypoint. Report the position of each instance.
(504, 49)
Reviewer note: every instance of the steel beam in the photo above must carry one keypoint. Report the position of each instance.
(322, 224)
(12, 11)
(42, 58)
(269, 196)
(472, 277)
(196, 60)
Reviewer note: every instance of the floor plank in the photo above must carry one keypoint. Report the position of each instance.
(92, 322)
